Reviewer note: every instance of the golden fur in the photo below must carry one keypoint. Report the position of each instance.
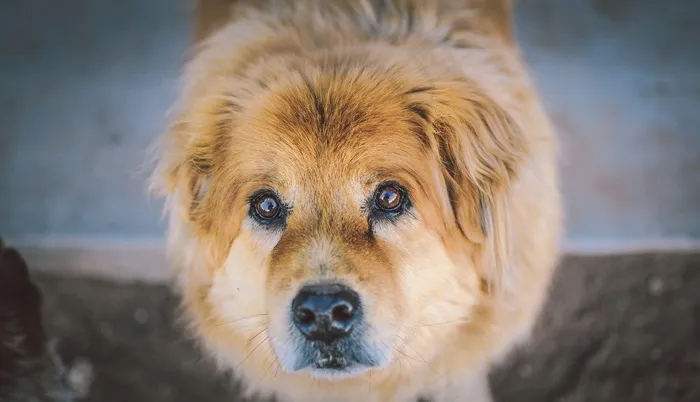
(323, 100)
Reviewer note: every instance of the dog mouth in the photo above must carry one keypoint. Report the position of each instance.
(333, 361)
(345, 358)
(329, 357)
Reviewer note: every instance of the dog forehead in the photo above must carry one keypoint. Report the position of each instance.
(336, 131)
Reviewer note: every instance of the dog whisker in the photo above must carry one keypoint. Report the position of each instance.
(229, 322)
(251, 353)
(407, 344)
(277, 370)
(274, 360)
(369, 385)
(458, 321)
(419, 359)
(256, 335)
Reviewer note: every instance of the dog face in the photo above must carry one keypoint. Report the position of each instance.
(338, 215)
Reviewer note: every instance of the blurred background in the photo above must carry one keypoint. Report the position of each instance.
(84, 90)
(85, 85)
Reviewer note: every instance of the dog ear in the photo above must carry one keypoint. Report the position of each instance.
(480, 147)
(185, 166)
(185, 171)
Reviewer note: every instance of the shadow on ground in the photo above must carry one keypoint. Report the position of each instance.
(616, 329)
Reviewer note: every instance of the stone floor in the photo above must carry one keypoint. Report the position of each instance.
(616, 329)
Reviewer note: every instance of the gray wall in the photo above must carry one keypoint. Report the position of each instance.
(84, 87)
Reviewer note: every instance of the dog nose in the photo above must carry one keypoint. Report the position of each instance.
(326, 313)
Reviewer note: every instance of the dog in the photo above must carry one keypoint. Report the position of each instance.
(362, 196)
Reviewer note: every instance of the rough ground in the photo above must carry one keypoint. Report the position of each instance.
(616, 329)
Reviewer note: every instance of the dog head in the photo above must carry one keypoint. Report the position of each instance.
(340, 213)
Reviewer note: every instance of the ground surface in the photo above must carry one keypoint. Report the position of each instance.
(616, 329)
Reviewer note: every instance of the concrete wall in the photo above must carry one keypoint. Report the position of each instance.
(85, 84)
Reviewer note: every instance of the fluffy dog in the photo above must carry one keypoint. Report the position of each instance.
(363, 196)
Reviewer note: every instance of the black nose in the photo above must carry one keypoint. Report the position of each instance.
(325, 312)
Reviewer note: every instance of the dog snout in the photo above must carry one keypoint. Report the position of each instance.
(326, 313)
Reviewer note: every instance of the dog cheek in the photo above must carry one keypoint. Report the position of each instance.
(237, 293)
(440, 295)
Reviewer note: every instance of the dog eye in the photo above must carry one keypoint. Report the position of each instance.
(266, 207)
(389, 198)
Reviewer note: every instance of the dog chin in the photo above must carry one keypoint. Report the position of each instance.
(322, 371)
(332, 365)
(334, 362)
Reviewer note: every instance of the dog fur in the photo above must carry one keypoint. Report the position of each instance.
(323, 100)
